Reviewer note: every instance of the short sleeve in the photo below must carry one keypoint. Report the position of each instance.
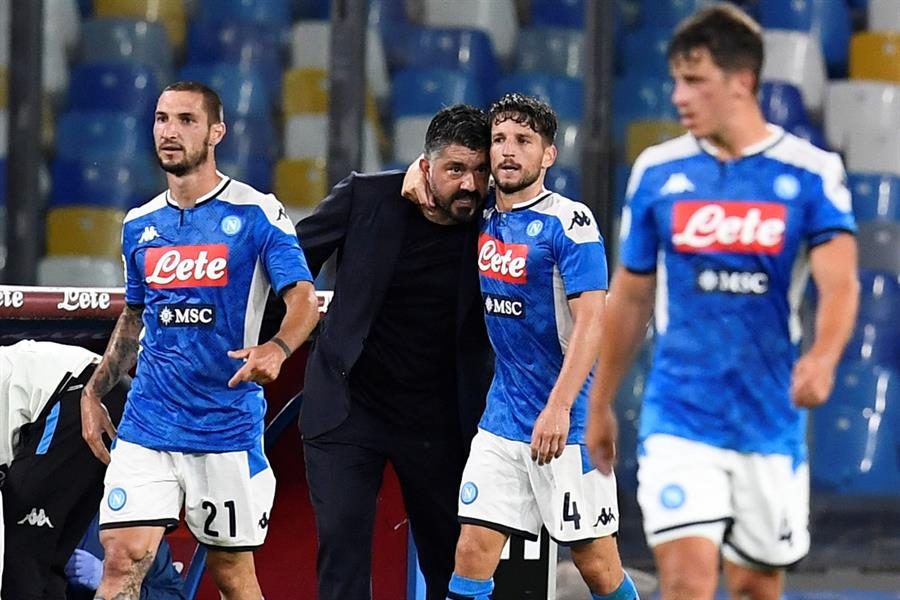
(829, 211)
(638, 235)
(279, 248)
(579, 251)
(134, 280)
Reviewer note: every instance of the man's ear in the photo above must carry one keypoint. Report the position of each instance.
(425, 166)
(549, 156)
(216, 133)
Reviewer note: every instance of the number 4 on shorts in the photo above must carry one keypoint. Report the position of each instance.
(570, 511)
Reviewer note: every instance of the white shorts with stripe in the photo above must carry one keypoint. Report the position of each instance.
(754, 506)
(227, 496)
(504, 489)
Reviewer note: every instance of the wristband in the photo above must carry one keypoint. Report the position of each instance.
(280, 343)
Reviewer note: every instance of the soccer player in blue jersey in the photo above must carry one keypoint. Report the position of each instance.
(543, 282)
(199, 261)
(722, 226)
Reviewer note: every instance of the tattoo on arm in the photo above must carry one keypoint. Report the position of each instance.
(121, 352)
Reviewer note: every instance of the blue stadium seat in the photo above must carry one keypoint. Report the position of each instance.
(558, 13)
(874, 343)
(782, 104)
(102, 136)
(118, 182)
(551, 50)
(248, 137)
(627, 407)
(564, 181)
(110, 39)
(644, 52)
(387, 15)
(255, 171)
(311, 9)
(564, 94)
(3, 185)
(812, 133)
(243, 94)
(253, 46)
(276, 13)
(855, 443)
(620, 185)
(644, 98)
(121, 87)
(468, 50)
(879, 297)
(424, 91)
(876, 196)
(830, 20)
(668, 13)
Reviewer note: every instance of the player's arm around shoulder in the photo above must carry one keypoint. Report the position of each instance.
(834, 271)
(119, 358)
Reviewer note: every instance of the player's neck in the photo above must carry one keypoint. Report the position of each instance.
(187, 189)
(743, 130)
(506, 202)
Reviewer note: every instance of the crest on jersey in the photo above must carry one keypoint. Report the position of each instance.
(231, 225)
(534, 228)
(786, 186)
(672, 496)
(468, 493)
(117, 498)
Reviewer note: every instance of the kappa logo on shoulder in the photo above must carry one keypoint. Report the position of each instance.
(148, 235)
(677, 183)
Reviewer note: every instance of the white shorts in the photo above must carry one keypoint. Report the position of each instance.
(503, 489)
(227, 496)
(755, 506)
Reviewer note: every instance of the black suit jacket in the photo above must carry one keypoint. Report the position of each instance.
(363, 219)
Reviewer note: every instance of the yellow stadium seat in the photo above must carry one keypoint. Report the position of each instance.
(306, 91)
(301, 182)
(640, 135)
(168, 12)
(4, 87)
(84, 231)
(875, 55)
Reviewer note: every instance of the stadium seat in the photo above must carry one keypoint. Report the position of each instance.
(558, 13)
(879, 246)
(115, 87)
(627, 406)
(852, 105)
(424, 91)
(102, 136)
(274, 13)
(243, 94)
(248, 137)
(107, 40)
(310, 9)
(301, 182)
(80, 271)
(409, 138)
(117, 183)
(564, 94)
(62, 24)
(873, 151)
(84, 231)
(795, 57)
(253, 46)
(568, 144)
(874, 343)
(883, 15)
(620, 185)
(551, 50)
(468, 50)
(255, 171)
(310, 47)
(386, 14)
(640, 135)
(644, 51)
(4, 135)
(498, 18)
(782, 104)
(875, 55)
(668, 13)
(3, 189)
(305, 91)
(564, 181)
(876, 196)
(4, 87)
(829, 21)
(170, 13)
(855, 439)
(640, 98)
(879, 297)
(306, 136)
(812, 133)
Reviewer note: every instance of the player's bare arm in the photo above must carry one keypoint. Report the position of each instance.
(119, 358)
(262, 363)
(628, 313)
(548, 440)
(833, 267)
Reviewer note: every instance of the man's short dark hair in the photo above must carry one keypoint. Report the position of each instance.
(526, 110)
(215, 113)
(459, 124)
(732, 37)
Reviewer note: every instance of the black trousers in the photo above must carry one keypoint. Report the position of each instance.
(55, 480)
(344, 469)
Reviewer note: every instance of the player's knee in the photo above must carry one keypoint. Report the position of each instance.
(127, 558)
(687, 585)
(233, 572)
(471, 548)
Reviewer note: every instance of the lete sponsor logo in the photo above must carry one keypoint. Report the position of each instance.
(187, 266)
(721, 226)
(84, 300)
(502, 261)
(12, 299)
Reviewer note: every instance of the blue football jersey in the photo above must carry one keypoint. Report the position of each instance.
(728, 241)
(531, 261)
(202, 275)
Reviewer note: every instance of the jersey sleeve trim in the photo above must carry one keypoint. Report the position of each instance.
(642, 272)
(826, 235)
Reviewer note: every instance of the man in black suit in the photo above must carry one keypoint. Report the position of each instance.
(401, 365)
